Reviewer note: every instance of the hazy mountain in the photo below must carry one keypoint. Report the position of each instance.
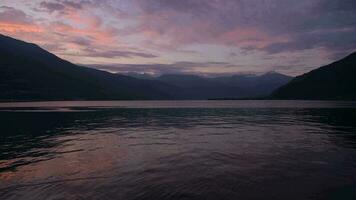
(257, 85)
(27, 72)
(235, 86)
(336, 81)
(197, 87)
(139, 75)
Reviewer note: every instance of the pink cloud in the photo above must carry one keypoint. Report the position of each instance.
(249, 38)
(8, 28)
(13, 21)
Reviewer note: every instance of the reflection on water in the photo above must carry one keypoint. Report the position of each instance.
(210, 152)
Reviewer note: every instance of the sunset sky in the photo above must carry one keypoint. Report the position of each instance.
(187, 36)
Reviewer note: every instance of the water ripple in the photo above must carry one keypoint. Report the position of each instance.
(231, 152)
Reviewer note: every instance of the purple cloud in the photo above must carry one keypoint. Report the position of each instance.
(158, 69)
(51, 7)
(266, 32)
(13, 15)
(281, 25)
(113, 54)
(62, 5)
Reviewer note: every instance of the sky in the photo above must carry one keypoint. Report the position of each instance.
(207, 37)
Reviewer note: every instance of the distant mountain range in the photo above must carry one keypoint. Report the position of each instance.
(228, 87)
(336, 81)
(29, 73)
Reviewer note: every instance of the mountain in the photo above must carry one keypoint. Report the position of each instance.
(28, 72)
(257, 85)
(197, 87)
(235, 86)
(139, 75)
(336, 81)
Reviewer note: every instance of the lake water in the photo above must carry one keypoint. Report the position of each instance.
(178, 150)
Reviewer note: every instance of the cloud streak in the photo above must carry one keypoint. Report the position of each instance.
(114, 54)
(204, 68)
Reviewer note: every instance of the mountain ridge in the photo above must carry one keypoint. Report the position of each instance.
(246, 85)
(28, 72)
(335, 81)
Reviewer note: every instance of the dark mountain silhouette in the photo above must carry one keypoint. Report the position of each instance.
(197, 87)
(336, 81)
(139, 75)
(27, 72)
(236, 86)
(257, 85)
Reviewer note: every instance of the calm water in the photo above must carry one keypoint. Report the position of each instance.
(178, 150)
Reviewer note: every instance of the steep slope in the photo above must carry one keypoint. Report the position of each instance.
(27, 72)
(336, 81)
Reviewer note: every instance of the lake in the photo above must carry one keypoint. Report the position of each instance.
(178, 150)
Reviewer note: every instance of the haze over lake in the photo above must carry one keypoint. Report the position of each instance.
(178, 150)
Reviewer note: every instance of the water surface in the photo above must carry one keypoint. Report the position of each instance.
(178, 150)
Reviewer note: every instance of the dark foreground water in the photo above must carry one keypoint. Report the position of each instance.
(178, 150)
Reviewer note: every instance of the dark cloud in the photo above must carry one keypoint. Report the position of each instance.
(185, 6)
(113, 54)
(141, 68)
(13, 15)
(158, 69)
(62, 5)
(75, 4)
(81, 41)
(51, 7)
(340, 5)
(335, 40)
(126, 54)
